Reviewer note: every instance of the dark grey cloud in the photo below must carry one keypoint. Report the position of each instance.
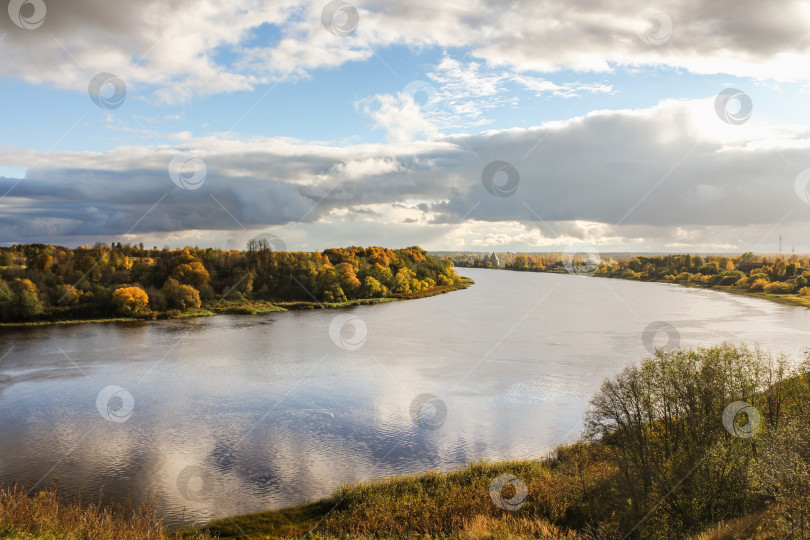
(674, 165)
(71, 203)
(634, 169)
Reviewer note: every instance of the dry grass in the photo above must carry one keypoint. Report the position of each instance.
(48, 515)
(755, 526)
(485, 527)
(454, 504)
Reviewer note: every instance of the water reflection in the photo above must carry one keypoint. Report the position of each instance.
(235, 414)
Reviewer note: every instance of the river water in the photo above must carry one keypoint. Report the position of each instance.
(232, 414)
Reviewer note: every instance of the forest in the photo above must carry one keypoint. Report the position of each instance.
(46, 283)
(749, 272)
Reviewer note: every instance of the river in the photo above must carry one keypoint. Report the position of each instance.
(232, 414)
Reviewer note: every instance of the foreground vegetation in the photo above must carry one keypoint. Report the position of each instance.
(44, 283)
(779, 279)
(664, 456)
(706, 444)
(48, 516)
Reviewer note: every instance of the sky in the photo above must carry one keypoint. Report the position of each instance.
(622, 125)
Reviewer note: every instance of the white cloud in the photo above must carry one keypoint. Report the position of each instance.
(173, 51)
(399, 116)
(660, 176)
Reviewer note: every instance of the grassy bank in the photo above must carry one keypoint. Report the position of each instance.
(46, 515)
(660, 458)
(563, 491)
(787, 299)
(253, 307)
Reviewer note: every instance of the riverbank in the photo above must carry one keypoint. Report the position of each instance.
(564, 490)
(449, 505)
(754, 485)
(252, 307)
(786, 299)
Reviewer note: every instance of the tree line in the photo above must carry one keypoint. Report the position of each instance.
(777, 275)
(47, 282)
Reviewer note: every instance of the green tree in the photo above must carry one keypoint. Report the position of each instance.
(373, 288)
(26, 303)
(666, 424)
(7, 303)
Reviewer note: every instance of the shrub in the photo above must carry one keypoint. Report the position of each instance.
(778, 288)
(731, 277)
(696, 278)
(759, 284)
(759, 275)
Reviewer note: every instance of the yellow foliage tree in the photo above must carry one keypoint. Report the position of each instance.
(130, 300)
(193, 274)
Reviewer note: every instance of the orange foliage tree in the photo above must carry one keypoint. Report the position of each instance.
(130, 300)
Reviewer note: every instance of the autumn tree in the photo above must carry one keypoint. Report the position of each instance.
(81, 281)
(348, 279)
(67, 295)
(180, 296)
(130, 300)
(193, 274)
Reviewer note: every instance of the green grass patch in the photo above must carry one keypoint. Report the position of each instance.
(787, 299)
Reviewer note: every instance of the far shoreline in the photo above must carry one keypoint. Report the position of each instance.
(784, 299)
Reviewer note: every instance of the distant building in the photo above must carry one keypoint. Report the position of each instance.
(494, 260)
(746, 267)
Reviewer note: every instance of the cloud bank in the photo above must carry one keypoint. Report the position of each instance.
(668, 173)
